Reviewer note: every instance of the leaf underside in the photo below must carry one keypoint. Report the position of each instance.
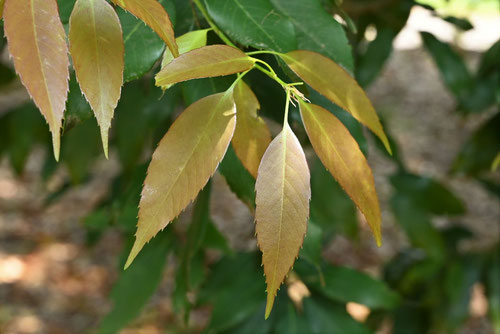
(251, 137)
(340, 154)
(282, 208)
(37, 43)
(208, 61)
(97, 50)
(185, 159)
(333, 82)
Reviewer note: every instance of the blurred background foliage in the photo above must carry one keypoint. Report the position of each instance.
(426, 284)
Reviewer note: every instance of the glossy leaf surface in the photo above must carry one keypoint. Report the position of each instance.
(333, 82)
(317, 30)
(341, 155)
(251, 137)
(183, 162)
(37, 43)
(96, 46)
(253, 23)
(187, 42)
(209, 61)
(155, 16)
(282, 208)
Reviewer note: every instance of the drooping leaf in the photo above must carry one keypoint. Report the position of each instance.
(96, 46)
(155, 16)
(251, 137)
(183, 162)
(317, 30)
(341, 155)
(136, 285)
(187, 42)
(208, 61)
(37, 43)
(333, 82)
(283, 192)
(253, 23)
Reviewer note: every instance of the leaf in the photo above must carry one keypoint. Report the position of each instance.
(331, 207)
(344, 284)
(208, 61)
(96, 45)
(428, 194)
(65, 9)
(319, 316)
(317, 30)
(187, 42)
(80, 149)
(155, 16)
(282, 199)
(378, 51)
(418, 226)
(37, 42)
(253, 23)
(251, 137)
(455, 74)
(333, 82)
(143, 47)
(480, 149)
(183, 162)
(239, 180)
(135, 286)
(2, 2)
(195, 236)
(233, 276)
(495, 163)
(340, 154)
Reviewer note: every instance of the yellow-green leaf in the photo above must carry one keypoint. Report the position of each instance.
(37, 43)
(96, 46)
(1, 7)
(186, 157)
(155, 16)
(187, 42)
(333, 82)
(496, 163)
(341, 155)
(251, 137)
(208, 61)
(282, 199)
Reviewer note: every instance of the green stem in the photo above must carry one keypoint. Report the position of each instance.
(212, 24)
(287, 106)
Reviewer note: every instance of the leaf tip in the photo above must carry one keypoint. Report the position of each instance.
(133, 253)
(56, 143)
(105, 142)
(269, 305)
